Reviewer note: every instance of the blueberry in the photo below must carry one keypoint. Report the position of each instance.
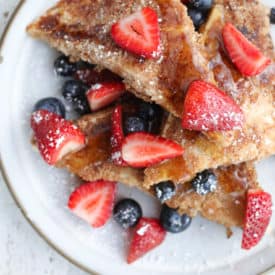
(202, 5)
(151, 113)
(127, 213)
(51, 104)
(80, 65)
(132, 124)
(204, 182)
(165, 190)
(272, 15)
(172, 221)
(74, 92)
(197, 17)
(64, 67)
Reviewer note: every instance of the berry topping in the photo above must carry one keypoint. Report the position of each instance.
(102, 94)
(142, 149)
(206, 108)
(138, 33)
(246, 57)
(134, 124)
(197, 17)
(202, 5)
(257, 217)
(64, 67)
(93, 202)
(152, 113)
(148, 235)
(117, 136)
(51, 104)
(55, 136)
(204, 182)
(127, 213)
(172, 221)
(272, 15)
(165, 190)
(74, 92)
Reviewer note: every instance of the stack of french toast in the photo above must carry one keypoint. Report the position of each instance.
(210, 87)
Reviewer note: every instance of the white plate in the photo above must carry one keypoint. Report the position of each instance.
(42, 192)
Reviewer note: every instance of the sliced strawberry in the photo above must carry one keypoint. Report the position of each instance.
(117, 136)
(142, 149)
(102, 94)
(257, 217)
(148, 235)
(138, 33)
(55, 136)
(206, 108)
(93, 202)
(247, 57)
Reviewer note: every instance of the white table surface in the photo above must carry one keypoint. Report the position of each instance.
(22, 250)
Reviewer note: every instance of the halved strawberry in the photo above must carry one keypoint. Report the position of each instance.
(206, 108)
(257, 217)
(102, 94)
(142, 149)
(247, 57)
(93, 202)
(55, 136)
(138, 33)
(148, 234)
(117, 136)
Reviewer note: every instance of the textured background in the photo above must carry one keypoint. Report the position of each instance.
(22, 251)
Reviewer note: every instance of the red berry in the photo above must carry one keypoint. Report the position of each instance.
(148, 235)
(117, 136)
(257, 217)
(142, 149)
(206, 108)
(93, 202)
(102, 94)
(55, 136)
(138, 33)
(247, 57)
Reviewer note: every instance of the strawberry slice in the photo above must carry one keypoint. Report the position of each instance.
(148, 234)
(142, 150)
(257, 217)
(206, 108)
(93, 202)
(246, 57)
(102, 94)
(55, 136)
(138, 33)
(117, 136)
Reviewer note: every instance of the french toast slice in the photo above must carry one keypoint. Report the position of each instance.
(225, 206)
(256, 96)
(81, 29)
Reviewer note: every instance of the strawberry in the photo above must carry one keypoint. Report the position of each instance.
(138, 33)
(257, 217)
(117, 136)
(246, 57)
(55, 136)
(142, 150)
(148, 234)
(93, 202)
(102, 94)
(206, 108)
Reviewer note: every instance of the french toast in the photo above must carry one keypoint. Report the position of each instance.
(80, 29)
(225, 206)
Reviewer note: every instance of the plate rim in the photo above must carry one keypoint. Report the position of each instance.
(5, 176)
